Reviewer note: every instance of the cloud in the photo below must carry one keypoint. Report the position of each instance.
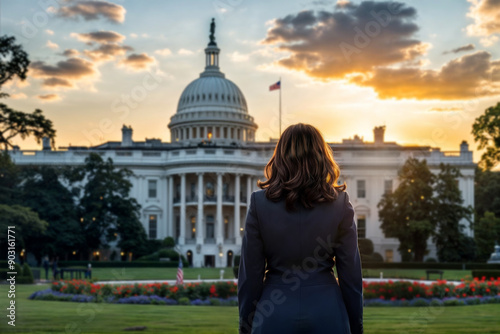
(445, 109)
(49, 32)
(185, 52)
(353, 38)
(107, 52)
(470, 76)
(70, 53)
(138, 62)
(99, 37)
(91, 10)
(56, 82)
(51, 45)
(65, 73)
(133, 35)
(467, 47)
(163, 52)
(18, 96)
(486, 16)
(49, 97)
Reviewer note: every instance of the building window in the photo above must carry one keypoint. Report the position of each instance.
(210, 232)
(361, 188)
(238, 134)
(361, 226)
(389, 255)
(193, 191)
(209, 190)
(153, 223)
(217, 132)
(225, 132)
(232, 133)
(226, 227)
(178, 190)
(387, 186)
(225, 190)
(209, 132)
(193, 227)
(177, 227)
(202, 132)
(152, 188)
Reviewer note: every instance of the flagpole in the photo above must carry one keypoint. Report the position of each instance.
(280, 109)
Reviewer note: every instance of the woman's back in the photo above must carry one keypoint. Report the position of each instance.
(298, 292)
(296, 225)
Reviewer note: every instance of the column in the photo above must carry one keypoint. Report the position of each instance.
(249, 190)
(182, 235)
(205, 133)
(199, 218)
(163, 190)
(218, 231)
(170, 201)
(237, 236)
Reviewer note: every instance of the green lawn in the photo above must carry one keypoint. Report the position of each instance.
(126, 274)
(67, 317)
(119, 274)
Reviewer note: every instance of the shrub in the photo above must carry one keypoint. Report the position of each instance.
(235, 271)
(365, 246)
(486, 273)
(431, 260)
(27, 274)
(184, 301)
(236, 261)
(168, 242)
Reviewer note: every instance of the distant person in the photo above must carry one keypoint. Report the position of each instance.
(296, 224)
(45, 264)
(55, 271)
(88, 272)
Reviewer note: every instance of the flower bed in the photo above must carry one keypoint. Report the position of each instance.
(390, 293)
(403, 290)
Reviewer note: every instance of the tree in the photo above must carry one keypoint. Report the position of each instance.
(107, 213)
(406, 213)
(14, 62)
(44, 192)
(486, 190)
(9, 179)
(485, 234)
(448, 212)
(486, 131)
(28, 224)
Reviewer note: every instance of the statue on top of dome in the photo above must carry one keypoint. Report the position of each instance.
(212, 32)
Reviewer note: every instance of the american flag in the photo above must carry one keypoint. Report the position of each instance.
(180, 273)
(275, 86)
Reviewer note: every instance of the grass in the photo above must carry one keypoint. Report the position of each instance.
(125, 274)
(450, 275)
(66, 317)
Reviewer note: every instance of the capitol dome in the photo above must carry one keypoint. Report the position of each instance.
(212, 109)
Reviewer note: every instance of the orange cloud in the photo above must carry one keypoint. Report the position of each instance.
(486, 15)
(107, 52)
(99, 37)
(351, 39)
(470, 76)
(91, 10)
(49, 97)
(138, 62)
(65, 73)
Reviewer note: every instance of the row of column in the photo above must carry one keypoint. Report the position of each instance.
(195, 132)
(200, 214)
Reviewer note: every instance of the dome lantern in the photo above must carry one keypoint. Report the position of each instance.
(212, 108)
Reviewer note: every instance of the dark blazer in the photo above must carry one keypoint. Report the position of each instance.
(285, 280)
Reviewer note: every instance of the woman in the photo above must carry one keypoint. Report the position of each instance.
(298, 226)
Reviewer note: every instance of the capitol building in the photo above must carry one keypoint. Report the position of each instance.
(197, 187)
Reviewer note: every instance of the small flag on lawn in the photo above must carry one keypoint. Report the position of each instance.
(180, 273)
(275, 86)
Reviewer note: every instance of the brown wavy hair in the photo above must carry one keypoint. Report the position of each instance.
(302, 169)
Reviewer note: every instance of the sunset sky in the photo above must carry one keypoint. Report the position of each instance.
(424, 68)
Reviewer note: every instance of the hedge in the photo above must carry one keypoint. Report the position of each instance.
(120, 264)
(486, 273)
